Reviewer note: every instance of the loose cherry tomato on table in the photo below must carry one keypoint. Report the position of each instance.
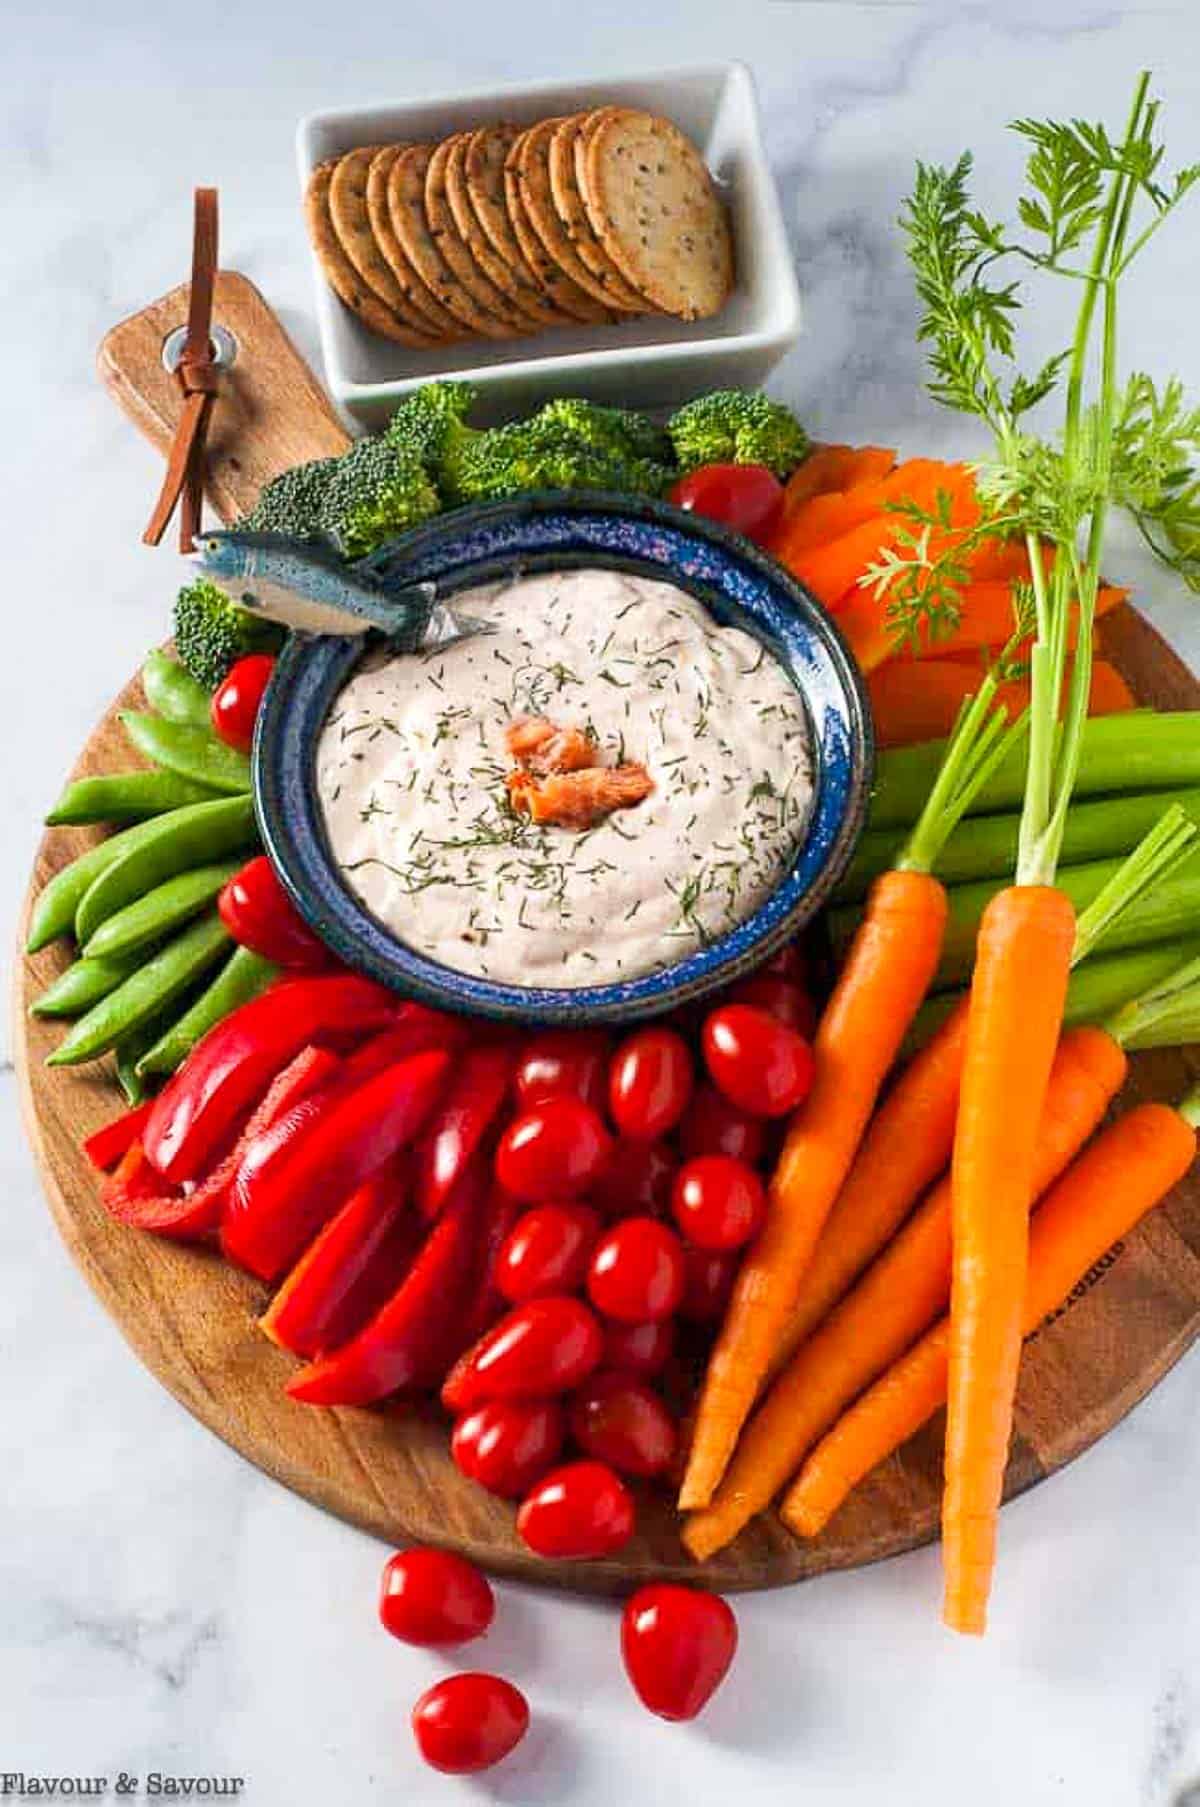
(553, 1151)
(433, 1597)
(708, 1278)
(637, 1271)
(469, 1722)
(746, 497)
(615, 1419)
(581, 1510)
(649, 1084)
(236, 700)
(677, 1644)
(641, 1349)
(757, 1061)
(569, 1063)
(715, 1125)
(718, 1203)
(636, 1181)
(260, 915)
(508, 1444)
(546, 1251)
(781, 998)
(543, 1347)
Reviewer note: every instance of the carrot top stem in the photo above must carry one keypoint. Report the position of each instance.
(1158, 852)
(1189, 1108)
(1177, 994)
(982, 739)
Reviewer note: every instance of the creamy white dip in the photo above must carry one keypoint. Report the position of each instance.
(412, 761)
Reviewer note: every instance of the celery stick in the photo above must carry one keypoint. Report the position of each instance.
(1137, 751)
(986, 846)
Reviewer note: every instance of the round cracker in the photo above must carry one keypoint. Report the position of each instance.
(499, 212)
(340, 273)
(406, 202)
(440, 320)
(657, 213)
(513, 277)
(456, 253)
(352, 224)
(530, 160)
(568, 204)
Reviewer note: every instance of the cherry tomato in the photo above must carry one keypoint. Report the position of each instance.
(759, 1063)
(553, 1151)
(636, 1271)
(714, 1125)
(468, 1722)
(781, 998)
(708, 1279)
(636, 1182)
(235, 703)
(677, 1644)
(746, 497)
(718, 1203)
(649, 1084)
(641, 1349)
(564, 1062)
(508, 1444)
(432, 1597)
(577, 1511)
(260, 915)
(538, 1349)
(617, 1420)
(546, 1251)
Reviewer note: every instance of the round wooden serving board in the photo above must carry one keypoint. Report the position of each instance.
(191, 1318)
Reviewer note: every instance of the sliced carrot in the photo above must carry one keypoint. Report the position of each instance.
(833, 570)
(921, 700)
(986, 619)
(885, 976)
(1125, 1172)
(1018, 992)
(894, 1302)
(834, 467)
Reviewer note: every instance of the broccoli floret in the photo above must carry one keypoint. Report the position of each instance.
(422, 422)
(356, 502)
(291, 503)
(737, 426)
(212, 633)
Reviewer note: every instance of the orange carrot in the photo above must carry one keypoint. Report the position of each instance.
(1126, 1171)
(986, 619)
(835, 467)
(886, 974)
(894, 1301)
(1018, 992)
(921, 700)
(903, 1152)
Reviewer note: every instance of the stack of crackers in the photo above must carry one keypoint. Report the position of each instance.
(501, 232)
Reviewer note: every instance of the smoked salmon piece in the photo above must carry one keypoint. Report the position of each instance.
(543, 747)
(578, 799)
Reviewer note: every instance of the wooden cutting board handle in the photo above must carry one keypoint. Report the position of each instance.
(271, 411)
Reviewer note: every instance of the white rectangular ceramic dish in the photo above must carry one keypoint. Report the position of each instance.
(645, 362)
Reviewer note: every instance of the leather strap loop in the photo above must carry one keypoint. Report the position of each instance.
(199, 379)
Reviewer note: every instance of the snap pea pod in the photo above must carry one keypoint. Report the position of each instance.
(83, 984)
(54, 912)
(126, 797)
(174, 693)
(158, 912)
(145, 992)
(200, 834)
(191, 751)
(242, 977)
(131, 1047)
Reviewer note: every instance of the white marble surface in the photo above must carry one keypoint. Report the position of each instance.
(162, 1606)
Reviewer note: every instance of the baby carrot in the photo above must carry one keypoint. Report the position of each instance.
(893, 1303)
(1125, 1172)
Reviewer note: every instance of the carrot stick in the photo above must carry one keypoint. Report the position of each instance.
(883, 980)
(1125, 1172)
(894, 1301)
(1018, 992)
(832, 569)
(921, 700)
(986, 619)
(835, 467)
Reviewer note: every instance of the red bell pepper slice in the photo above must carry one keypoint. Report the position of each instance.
(198, 1111)
(405, 1343)
(292, 1180)
(135, 1195)
(105, 1148)
(484, 1303)
(310, 1312)
(472, 1103)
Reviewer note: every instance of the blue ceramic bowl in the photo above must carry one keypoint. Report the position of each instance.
(740, 585)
